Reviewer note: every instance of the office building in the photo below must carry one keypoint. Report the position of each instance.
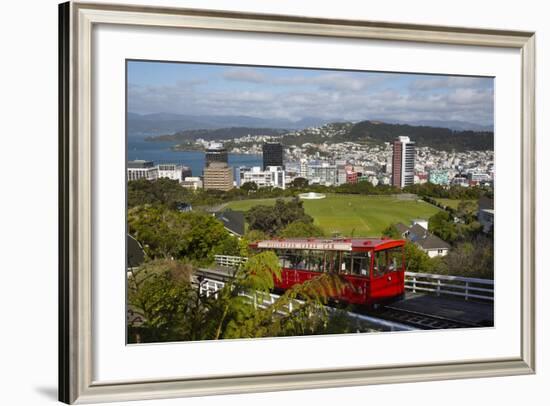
(173, 171)
(218, 176)
(438, 177)
(140, 169)
(322, 174)
(403, 162)
(273, 176)
(216, 152)
(272, 153)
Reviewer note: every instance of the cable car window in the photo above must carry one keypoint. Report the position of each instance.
(315, 261)
(387, 261)
(361, 263)
(346, 265)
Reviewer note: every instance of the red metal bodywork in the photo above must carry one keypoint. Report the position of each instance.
(367, 288)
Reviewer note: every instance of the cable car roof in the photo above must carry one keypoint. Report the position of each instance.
(329, 244)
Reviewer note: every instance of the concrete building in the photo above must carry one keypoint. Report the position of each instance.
(322, 174)
(173, 171)
(192, 182)
(218, 176)
(273, 176)
(140, 169)
(438, 177)
(403, 162)
(272, 154)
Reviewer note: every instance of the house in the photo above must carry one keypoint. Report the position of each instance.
(426, 241)
(233, 221)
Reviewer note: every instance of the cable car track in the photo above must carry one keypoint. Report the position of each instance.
(421, 320)
(414, 319)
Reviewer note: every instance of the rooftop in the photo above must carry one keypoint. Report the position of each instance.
(329, 244)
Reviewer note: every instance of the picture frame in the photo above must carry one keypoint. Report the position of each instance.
(76, 215)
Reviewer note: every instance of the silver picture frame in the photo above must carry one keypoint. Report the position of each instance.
(76, 21)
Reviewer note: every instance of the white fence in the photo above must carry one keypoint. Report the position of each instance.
(229, 261)
(210, 287)
(466, 288)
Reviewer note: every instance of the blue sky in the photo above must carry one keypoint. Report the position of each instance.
(287, 93)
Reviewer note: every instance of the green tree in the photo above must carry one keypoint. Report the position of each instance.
(299, 229)
(271, 220)
(299, 183)
(160, 291)
(174, 309)
(249, 187)
(167, 233)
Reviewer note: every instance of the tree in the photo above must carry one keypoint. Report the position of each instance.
(299, 229)
(442, 225)
(249, 187)
(168, 234)
(271, 220)
(163, 191)
(160, 291)
(174, 309)
(299, 183)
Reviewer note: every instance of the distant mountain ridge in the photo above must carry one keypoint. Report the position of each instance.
(443, 139)
(164, 123)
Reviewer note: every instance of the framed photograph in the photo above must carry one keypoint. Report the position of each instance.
(253, 202)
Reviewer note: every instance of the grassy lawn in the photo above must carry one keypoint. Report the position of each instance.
(355, 215)
(453, 203)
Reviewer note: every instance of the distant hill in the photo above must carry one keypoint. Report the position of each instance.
(216, 134)
(436, 137)
(164, 123)
(451, 124)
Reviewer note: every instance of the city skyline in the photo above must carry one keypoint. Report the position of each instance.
(295, 94)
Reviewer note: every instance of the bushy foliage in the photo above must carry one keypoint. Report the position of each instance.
(166, 233)
(175, 310)
(299, 229)
(271, 220)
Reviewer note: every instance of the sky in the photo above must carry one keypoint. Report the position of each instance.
(293, 94)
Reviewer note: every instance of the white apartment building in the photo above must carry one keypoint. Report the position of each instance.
(322, 174)
(192, 182)
(173, 171)
(273, 176)
(140, 169)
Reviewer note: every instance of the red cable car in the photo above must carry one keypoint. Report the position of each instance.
(375, 268)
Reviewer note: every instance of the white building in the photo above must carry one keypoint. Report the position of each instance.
(140, 169)
(192, 182)
(173, 171)
(273, 176)
(322, 174)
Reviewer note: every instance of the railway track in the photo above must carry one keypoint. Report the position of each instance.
(421, 320)
(414, 319)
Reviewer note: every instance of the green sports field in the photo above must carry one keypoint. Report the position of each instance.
(355, 215)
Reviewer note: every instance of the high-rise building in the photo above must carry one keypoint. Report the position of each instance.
(272, 153)
(216, 153)
(403, 162)
(140, 169)
(218, 176)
